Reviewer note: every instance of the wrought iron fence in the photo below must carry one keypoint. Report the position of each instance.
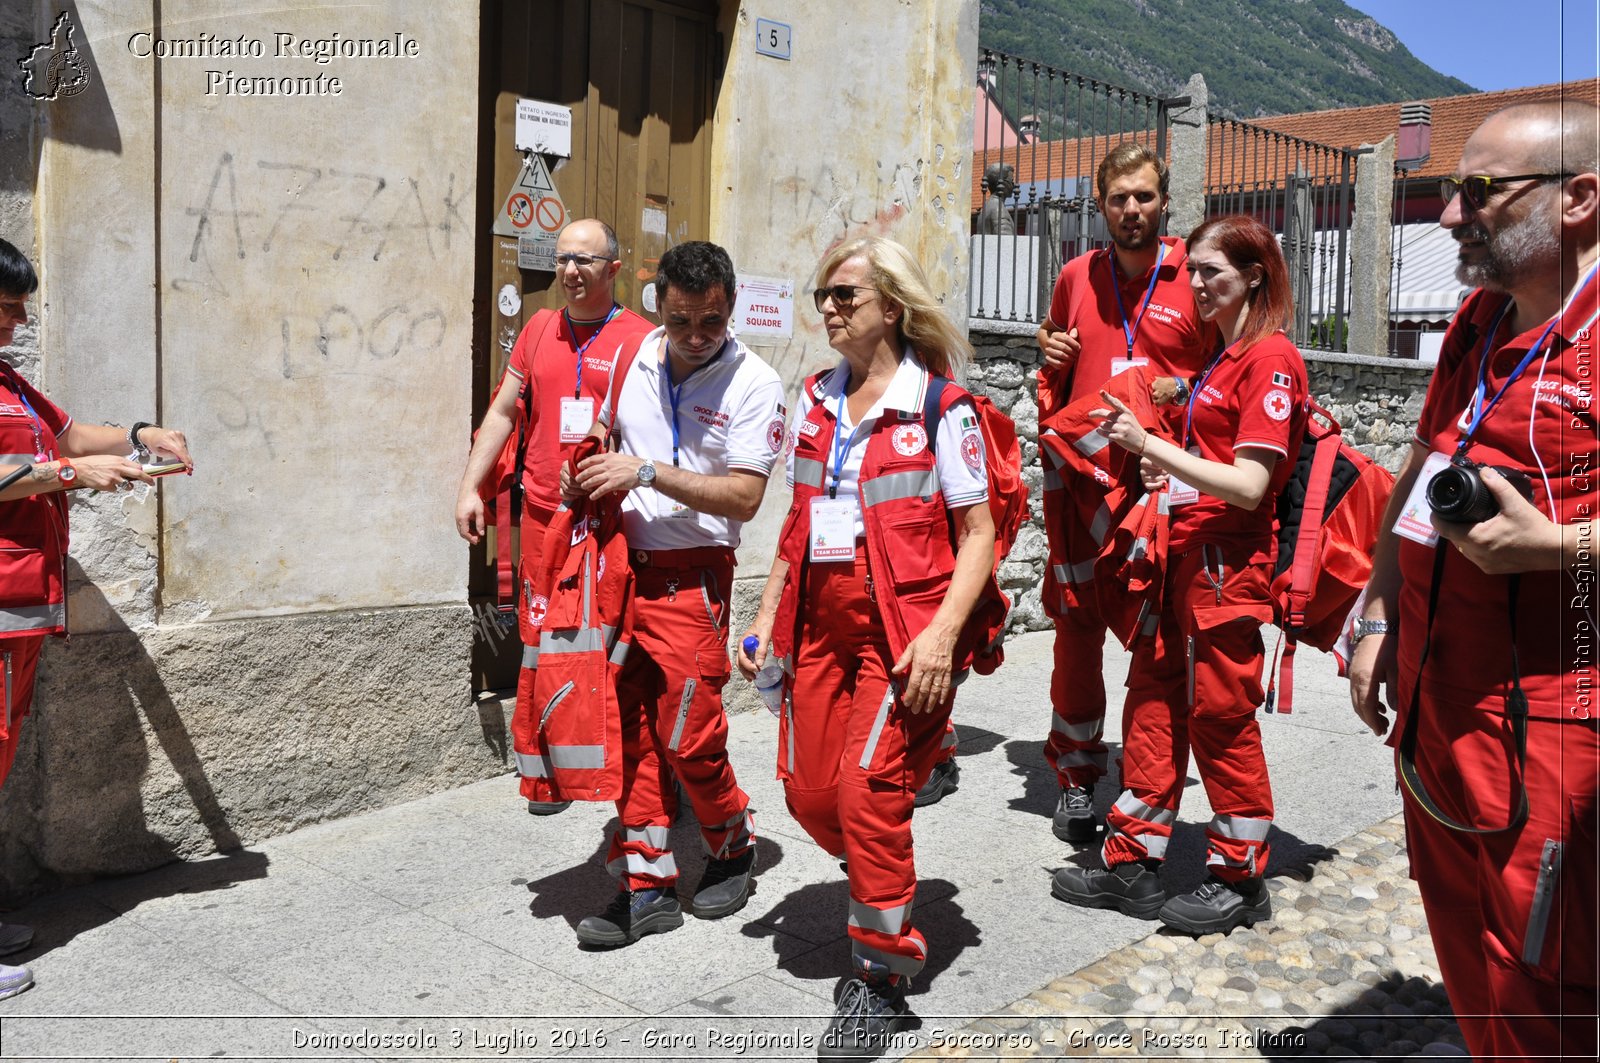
(1304, 192)
(1040, 134)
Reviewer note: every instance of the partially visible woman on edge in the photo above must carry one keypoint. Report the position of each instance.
(65, 455)
(887, 548)
(1198, 682)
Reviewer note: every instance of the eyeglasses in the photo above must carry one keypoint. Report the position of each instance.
(582, 261)
(1476, 190)
(843, 295)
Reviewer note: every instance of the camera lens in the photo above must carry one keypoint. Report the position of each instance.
(1457, 494)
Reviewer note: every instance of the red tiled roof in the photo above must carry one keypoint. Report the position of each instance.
(1454, 119)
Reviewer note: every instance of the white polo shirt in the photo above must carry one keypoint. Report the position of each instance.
(729, 416)
(958, 445)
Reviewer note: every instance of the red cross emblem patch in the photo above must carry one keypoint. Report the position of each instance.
(909, 439)
(775, 435)
(1277, 404)
(538, 605)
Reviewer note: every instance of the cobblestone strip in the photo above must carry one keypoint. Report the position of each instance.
(1344, 970)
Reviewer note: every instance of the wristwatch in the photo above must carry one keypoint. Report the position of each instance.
(647, 474)
(1365, 627)
(133, 434)
(65, 473)
(1182, 393)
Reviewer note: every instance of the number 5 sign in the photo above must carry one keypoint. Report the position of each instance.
(772, 38)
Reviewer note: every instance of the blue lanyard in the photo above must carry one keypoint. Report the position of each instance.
(1481, 409)
(577, 388)
(1129, 331)
(38, 433)
(839, 453)
(1194, 392)
(675, 390)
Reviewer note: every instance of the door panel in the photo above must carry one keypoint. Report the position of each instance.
(639, 77)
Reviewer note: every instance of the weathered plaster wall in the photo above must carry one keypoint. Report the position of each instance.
(866, 130)
(281, 637)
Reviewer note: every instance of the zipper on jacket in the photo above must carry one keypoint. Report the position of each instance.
(8, 691)
(683, 713)
(1544, 894)
(544, 717)
(1189, 664)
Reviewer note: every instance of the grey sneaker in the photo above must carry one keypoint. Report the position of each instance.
(14, 980)
(630, 916)
(868, 1014)
(1217, 907)
(725, 886)
(1075, 821)
(14, 937)
(1133, 888)
(547, 808)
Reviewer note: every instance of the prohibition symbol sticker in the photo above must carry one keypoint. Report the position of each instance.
(549, 213)
(520, 209)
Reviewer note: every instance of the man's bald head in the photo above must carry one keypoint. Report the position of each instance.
(1550, 136)
(587, 288)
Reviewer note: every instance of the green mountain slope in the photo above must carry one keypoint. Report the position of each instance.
(1259, 57)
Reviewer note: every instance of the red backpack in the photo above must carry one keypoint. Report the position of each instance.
(1008, 495)
(1328, 519)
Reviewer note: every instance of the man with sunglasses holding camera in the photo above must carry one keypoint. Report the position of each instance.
(1483, 629)
(557, 377)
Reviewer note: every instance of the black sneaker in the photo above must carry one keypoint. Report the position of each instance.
(942, 780)
(1132, 888)
(630, 916)
(868, 1014)
(1217, 907)
(547, 808)
(725, 886)
(1075, 821)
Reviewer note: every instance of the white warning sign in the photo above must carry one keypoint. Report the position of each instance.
(544, 127)
(533, 208)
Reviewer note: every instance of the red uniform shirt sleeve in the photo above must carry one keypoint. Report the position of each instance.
(1271, 387)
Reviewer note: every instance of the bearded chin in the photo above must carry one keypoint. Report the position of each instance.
(1135, 243)
(1526, 246)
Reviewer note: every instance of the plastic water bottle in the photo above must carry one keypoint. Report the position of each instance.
(769, 681)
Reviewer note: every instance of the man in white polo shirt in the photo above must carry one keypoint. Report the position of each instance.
(698, 422)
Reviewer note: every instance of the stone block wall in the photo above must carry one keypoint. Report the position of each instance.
(1376, 399)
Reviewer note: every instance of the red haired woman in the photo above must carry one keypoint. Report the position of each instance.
(1197, 683)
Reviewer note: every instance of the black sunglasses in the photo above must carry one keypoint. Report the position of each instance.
(1476, 190)
(843, 295)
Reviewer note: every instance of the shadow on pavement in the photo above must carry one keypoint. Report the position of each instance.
(1395, 1018)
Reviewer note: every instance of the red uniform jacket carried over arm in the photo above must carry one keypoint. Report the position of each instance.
(567, 728)
(1092, 483)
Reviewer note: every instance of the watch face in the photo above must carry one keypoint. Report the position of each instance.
(66, 473)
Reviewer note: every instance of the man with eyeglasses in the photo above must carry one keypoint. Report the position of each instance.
(1482, 626)
(559, 371)
(1127, 305)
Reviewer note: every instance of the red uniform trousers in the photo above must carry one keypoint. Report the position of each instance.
(19, 659)
(1513, 914)
(1197, 683)
(1076, 747)
(851, 758)
(670, 695)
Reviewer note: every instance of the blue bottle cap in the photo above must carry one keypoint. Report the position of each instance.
(751, 644)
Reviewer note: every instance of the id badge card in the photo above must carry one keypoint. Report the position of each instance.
(1414, 521)
(1180, 493)
(671, 508)
(1122, 365)
(833, 529)
(577, 417)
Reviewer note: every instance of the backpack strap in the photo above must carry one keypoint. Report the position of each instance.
(931, 411)
(1303, 572)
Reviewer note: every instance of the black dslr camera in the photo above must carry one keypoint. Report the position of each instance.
(1458, 494)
